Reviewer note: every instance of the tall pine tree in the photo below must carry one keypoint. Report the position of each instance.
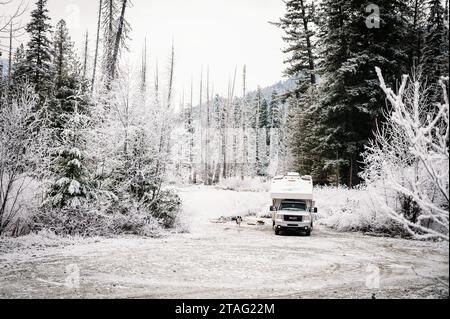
(416, 17)
(351, 102)
(67, 121)
(275, 116)
(19, 67)
(39, 50)
(298, 24)
(69, 180)
(70, 89)
(435, 52)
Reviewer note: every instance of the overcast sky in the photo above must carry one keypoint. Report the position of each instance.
(218, 33)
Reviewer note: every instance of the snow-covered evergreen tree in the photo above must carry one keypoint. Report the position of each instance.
(189, 139)
(275, 121)
(275, 116)
(66, 121)
(259, 125)
(69, 175)
(264, 138)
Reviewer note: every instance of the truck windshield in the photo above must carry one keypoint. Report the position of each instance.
(293, 206)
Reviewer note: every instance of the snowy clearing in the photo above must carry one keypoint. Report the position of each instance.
(224, 261)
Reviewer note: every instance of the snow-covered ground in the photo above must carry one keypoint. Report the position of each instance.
(218, 260)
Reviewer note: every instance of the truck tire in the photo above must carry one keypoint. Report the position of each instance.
(277, 232)
(308, 233)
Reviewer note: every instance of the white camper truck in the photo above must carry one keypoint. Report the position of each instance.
(293, 205)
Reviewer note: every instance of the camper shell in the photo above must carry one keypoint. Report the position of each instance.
(293, 204)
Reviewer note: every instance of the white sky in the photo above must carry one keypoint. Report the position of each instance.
(218, 33)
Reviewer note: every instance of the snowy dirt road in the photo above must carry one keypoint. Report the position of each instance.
(224, 261)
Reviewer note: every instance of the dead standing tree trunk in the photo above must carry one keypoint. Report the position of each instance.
(244, 125)
(10, 54)
(226, 129)
(85, 58)
(207, 137)
(200, 124)
(120, 32)
(192, 173)
(97, 44)
(164, 140)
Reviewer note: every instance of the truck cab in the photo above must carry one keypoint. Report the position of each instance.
(293, 207)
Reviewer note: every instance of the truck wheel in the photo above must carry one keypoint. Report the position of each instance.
(277, 231)
(308, 233)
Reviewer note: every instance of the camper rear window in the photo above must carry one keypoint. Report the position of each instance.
(293, 206)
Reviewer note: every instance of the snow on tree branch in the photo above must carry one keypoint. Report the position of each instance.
(409, 159)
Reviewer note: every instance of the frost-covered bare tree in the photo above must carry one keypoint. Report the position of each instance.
(11, 29)
(409, 160)
(244, 137)
(166, 111)
(18, 152)
(6, 20)
(97, 43)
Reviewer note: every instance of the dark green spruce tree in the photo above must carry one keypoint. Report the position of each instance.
(298, 25)
(39, 51)
(351, 102)
(70, 88)
(416, 18)
(19, 67)
(435, 58)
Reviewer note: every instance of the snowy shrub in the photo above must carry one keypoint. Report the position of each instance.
(407, 165)
(71, 221)
(136, 223)
(89, 222)
(19, 153)
(111, 214)
(346, 209)
(166, 208)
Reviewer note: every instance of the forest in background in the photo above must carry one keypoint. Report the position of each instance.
(102, 143)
